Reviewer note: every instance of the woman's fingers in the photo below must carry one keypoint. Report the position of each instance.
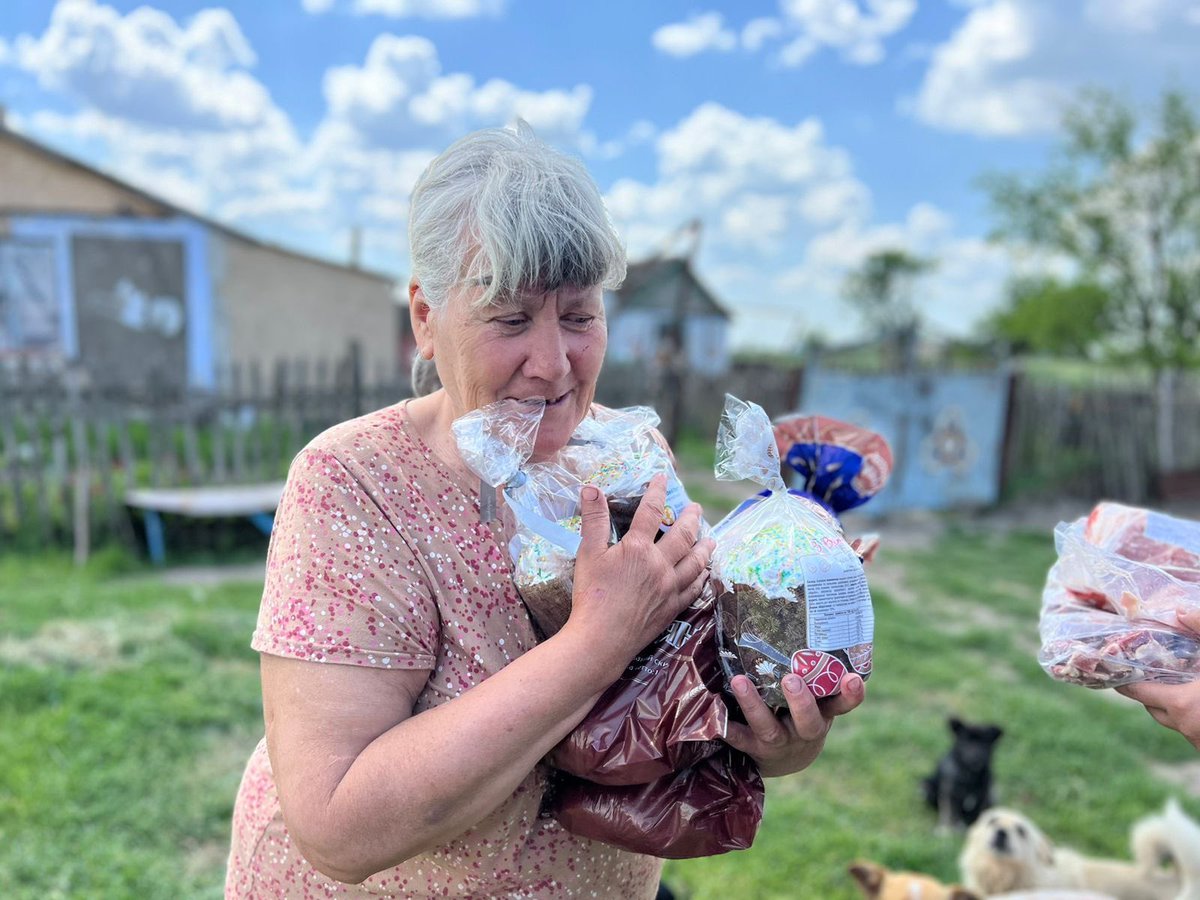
(649, 514)
(848, 698)
(595, 527)
(765, 725)
(762, 730)
(693, 564)
(681, 537)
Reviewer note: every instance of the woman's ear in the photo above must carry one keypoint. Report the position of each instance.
(420, 313)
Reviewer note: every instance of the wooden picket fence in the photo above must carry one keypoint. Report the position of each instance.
(70, 452)
(1100, 439)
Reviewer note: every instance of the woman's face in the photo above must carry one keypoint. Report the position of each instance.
(536, 344)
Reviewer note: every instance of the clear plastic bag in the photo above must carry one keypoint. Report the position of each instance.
(1108, 607)
(618, 451)
(792, 593)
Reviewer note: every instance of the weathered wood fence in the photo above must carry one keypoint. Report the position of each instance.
(1101, 439)
(69, 452)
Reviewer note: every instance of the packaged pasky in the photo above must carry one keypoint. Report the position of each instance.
(792, 593)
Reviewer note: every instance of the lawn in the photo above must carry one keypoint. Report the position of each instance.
(129, 705)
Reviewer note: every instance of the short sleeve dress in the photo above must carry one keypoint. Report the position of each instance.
(378, 558)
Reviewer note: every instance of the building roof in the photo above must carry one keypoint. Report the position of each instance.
(165, 208)
(656, 284)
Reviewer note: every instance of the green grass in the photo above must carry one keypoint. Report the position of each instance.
(129, 707)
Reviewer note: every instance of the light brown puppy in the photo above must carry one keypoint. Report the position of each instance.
(879, 883)
(1006, 851)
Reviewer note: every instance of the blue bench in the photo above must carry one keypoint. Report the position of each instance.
(257, 502)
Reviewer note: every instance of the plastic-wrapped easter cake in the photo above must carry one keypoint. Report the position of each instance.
(792, 593)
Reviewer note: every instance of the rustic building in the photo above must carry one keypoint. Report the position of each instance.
(97, 272)
(661, 305)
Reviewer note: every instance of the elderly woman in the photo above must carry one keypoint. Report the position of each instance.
(408, 703)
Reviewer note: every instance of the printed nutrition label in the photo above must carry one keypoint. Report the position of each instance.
(838, 604)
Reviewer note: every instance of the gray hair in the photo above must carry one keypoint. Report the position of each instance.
(505, 209)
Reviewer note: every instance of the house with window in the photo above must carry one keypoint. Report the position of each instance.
(663, 308)
(99, 274)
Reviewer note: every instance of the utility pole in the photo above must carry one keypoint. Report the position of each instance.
(676, 363)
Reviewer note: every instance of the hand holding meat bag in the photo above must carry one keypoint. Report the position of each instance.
(1108, 609)
(791, 593)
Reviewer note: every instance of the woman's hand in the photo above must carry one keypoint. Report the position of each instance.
(783, 744)
(627, 593)
(1175, 706)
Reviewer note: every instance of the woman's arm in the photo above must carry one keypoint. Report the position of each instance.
(1176, 706)
(364, 784)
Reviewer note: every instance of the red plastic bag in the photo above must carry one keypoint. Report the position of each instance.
(706, 809)
(663, 714)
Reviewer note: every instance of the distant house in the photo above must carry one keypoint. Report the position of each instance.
(99, 273)
(658, 296)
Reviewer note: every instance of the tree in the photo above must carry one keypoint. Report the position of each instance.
(1122, 201)
(1044, 315)
(881, 290)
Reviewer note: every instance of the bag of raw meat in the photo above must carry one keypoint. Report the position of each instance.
(1108, 608)
(839, 465)
(791, 592)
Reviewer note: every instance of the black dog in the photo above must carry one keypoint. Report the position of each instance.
(960, 788)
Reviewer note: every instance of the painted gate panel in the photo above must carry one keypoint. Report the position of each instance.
(946, 430)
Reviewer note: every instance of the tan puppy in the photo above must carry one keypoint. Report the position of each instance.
(879, 883)
(1006, 851)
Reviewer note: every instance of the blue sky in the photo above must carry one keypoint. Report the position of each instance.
(804, 134)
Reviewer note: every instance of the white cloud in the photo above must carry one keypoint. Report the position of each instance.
(640, 132)
(847, 26)
(842, 200)
(400, 98)
(1133, 15)
(757, 32)
(785, 218)
(797, 51)
(145, 67)
(965, 284)
(1012, 65)
(406, 9)
(856, 28)
(167, 107)
(699, 33)
(755, 218)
